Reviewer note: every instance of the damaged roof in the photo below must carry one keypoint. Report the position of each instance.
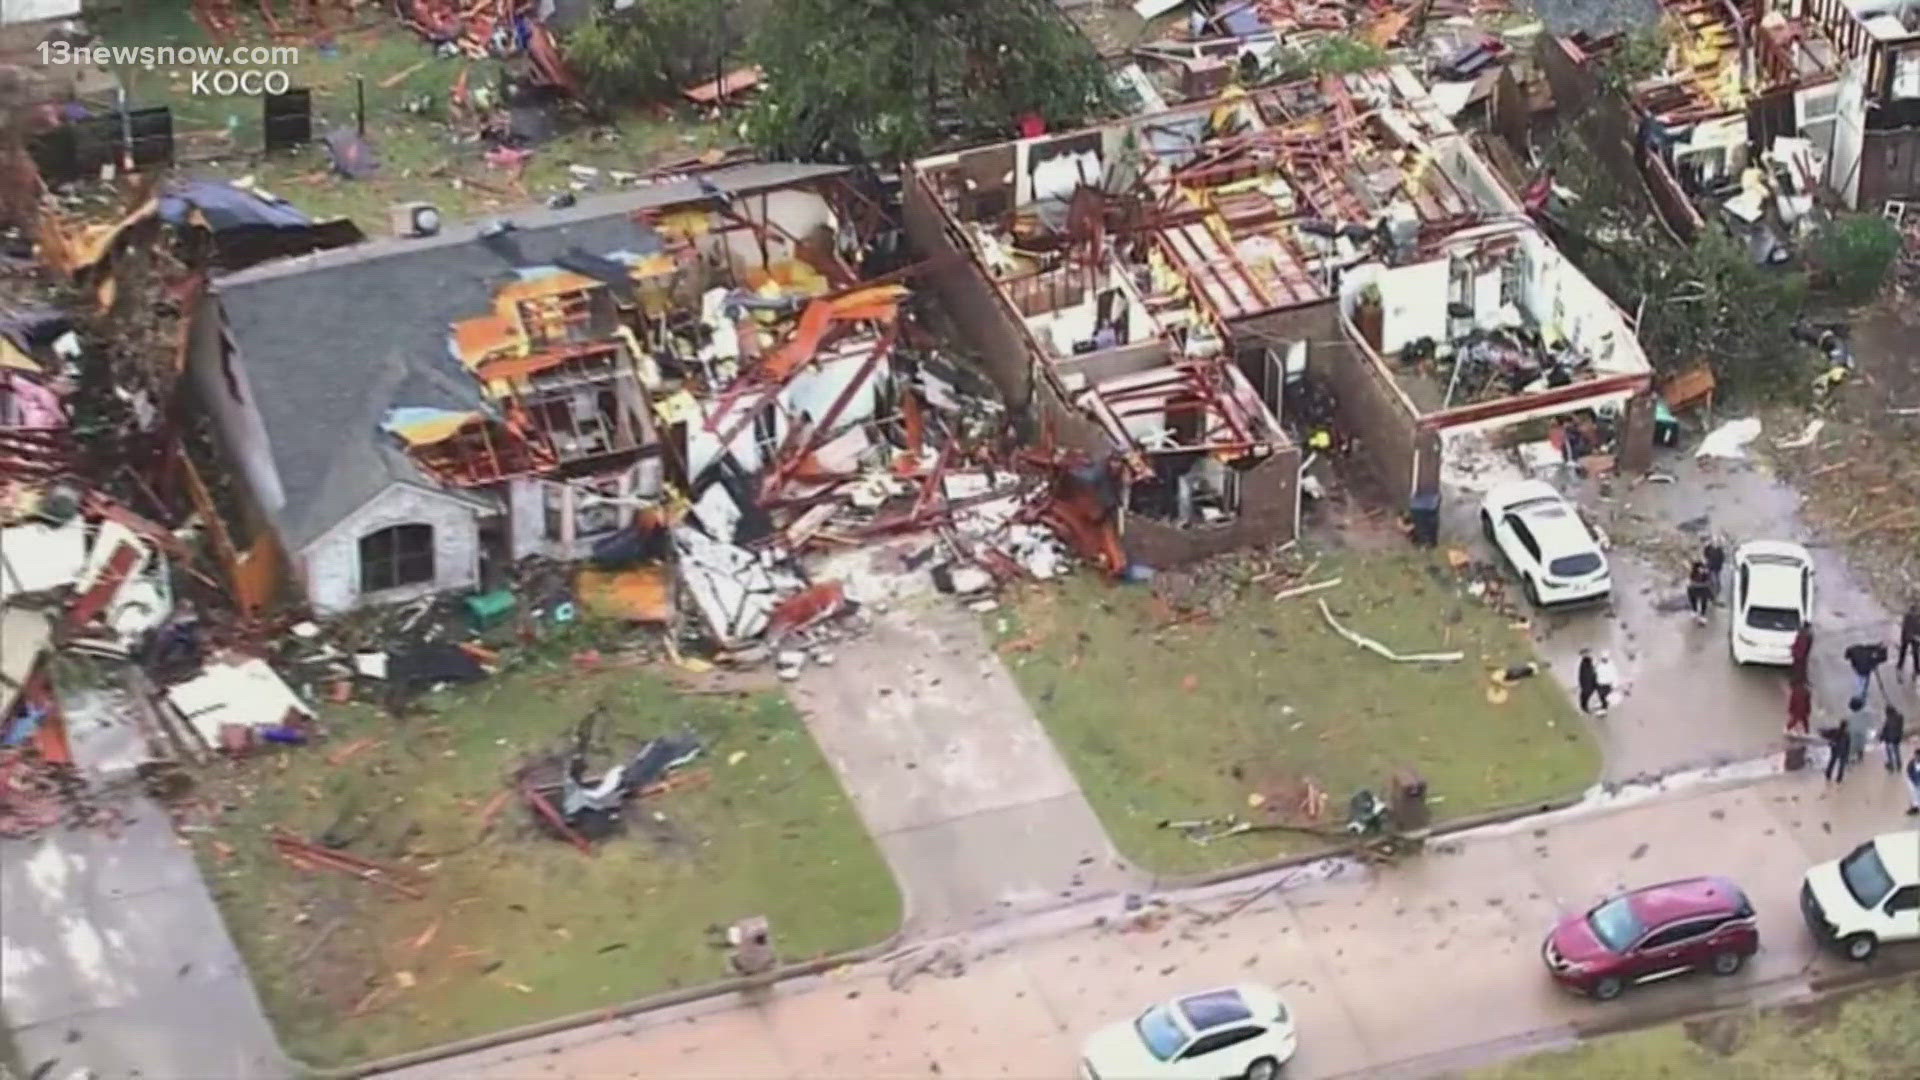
(328, 342)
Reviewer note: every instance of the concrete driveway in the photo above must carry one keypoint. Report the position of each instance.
(1429, 965)
(952, 772)
(114, 959)
(1687, 704)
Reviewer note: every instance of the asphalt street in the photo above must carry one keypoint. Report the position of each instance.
(1403, 970)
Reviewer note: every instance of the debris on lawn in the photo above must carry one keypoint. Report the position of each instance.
(1729, 440)
(1303, 590)
(1375, 647)
(235, 703)
(306, 855)
(566, 799)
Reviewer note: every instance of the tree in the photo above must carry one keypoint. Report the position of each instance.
(1851, 255)
(1332, 54)
(1711, 303)
(652, 49)
(882, 81)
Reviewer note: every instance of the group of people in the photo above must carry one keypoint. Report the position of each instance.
(1846, 740)
(1597, 681)
(1703, 579)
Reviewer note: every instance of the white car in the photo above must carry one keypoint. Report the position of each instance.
(1772, 598)
(1236, 1031)
(1868, 897)
(1546, 542)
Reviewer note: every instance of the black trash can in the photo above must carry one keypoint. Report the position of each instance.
(1424, 510)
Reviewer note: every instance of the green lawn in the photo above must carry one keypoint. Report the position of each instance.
(517, 926)
(1869, 1035)
(1162, 719)
(422, 156)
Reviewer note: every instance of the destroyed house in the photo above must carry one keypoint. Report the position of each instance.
(1763, 101)
(416, 415)
(1166, 287)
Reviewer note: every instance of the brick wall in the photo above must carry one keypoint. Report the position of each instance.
(1392, 443)
(1267, 491)
(1268, 495)
(1000, 343)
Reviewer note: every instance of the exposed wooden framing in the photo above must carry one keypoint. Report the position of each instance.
(1521, 403)
(823, 427)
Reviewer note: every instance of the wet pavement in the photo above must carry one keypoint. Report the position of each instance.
(114, 961)
(1686, 703)
(1359, 953)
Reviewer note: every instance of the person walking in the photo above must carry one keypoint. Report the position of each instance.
(1800, 654)
(1799, 708)
(1891, 732)
(1589, 680)
(1910, 639)
(1715, 558)
(1863, 657)
(1913, 785)
(1839, 749)
(1608, 680)
(1859, 727)
(1699, 591)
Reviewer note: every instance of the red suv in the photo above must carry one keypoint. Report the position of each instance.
(1651, 933)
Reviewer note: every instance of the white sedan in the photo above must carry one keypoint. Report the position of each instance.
(1549, 546)
(1772, 599)
(1236, 1031)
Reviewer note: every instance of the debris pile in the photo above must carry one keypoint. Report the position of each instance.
(566, 800)
(496, 28)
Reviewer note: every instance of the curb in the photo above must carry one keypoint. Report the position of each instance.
(664, 1000)
(1154, 884)
(709, 991)
(1564, 1037)
(1499, 815)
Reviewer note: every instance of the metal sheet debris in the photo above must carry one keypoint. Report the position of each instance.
(237, 691)
(1729, 440)
(38, 557)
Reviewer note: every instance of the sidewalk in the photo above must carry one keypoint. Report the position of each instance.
(113, 958)
(952, 773)
(1381, 967)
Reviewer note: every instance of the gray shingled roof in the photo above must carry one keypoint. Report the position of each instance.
(330, 341)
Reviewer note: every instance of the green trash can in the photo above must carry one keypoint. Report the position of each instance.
(488, 609)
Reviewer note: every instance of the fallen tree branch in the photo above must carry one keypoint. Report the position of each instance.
(1302, 590)
(1373, 646)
